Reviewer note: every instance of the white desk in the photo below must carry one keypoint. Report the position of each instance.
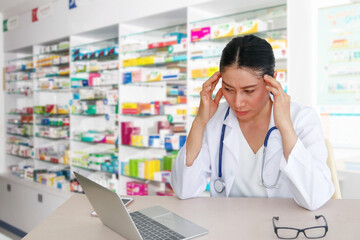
(225, 218)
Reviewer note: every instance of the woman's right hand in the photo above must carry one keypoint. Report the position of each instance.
(208, 106)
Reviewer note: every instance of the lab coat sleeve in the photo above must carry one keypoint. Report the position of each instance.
(188, 182)
(306, 168)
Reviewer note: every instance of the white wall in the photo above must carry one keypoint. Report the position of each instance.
(92, 15)
(2, 102)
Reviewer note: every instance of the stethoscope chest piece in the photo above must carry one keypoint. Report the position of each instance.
(219, 185)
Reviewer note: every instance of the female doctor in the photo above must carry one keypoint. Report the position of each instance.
(257, 143)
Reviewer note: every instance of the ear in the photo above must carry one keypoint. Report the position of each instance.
(275, 74)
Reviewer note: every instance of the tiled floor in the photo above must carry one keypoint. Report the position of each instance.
(6, 235)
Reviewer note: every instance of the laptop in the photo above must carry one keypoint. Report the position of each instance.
(150, 223)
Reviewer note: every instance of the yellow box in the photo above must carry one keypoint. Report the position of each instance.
(151, 166)
(222, 30)
(146, 60)
(153, 76)
(212, 70)
(199, 73)
(136, 140)
(129, 62)
(181, 111)
(129, 106)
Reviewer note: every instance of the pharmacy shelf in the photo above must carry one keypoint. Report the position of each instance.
(20, 135)
(92, 170)
(89, 115)
(53, 139)
(143, 147)
(261, 34)
(218, 57)
(97, 71)
(51, 114)
(91, 99)
(20, 144)
(100, 59)
(62, 50)
(21, 80)
(143, 115)
(53, 90)
(160, 64)
(53, 76)
(115, 85)
(20, 59)
(20, 93)
(75, 140)
(14, 155)
(54, 65)
(150, 83)
(53, 126)
(56, 163)
(12, 123)
(142, 179)
(22, 70)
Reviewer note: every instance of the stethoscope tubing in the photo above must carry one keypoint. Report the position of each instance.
(275, 185)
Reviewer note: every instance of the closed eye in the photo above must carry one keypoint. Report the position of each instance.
(228, 89)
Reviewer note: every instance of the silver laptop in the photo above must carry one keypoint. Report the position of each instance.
(150, 223)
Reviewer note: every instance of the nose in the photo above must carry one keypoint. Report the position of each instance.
(240, 101)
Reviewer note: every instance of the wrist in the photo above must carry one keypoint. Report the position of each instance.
(199, 122)
(286, 128)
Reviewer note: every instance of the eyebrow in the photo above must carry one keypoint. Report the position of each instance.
(249, 86)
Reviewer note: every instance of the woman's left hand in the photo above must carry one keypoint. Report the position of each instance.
(282, 117)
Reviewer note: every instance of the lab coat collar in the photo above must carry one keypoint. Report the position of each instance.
(232, 134)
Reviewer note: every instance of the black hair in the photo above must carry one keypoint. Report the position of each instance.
(249, 52)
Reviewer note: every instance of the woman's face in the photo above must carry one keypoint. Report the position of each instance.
(244, 91)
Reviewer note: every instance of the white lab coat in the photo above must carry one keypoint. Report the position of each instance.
(305, 177)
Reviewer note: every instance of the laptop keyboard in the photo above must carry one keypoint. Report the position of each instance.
(151, 229)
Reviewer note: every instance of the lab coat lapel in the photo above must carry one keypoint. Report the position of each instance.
(274, 148)
(231, 151)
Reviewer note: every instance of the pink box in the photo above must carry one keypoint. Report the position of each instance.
(92, 76)
(136, 188)
(198, 34)
(126, 132)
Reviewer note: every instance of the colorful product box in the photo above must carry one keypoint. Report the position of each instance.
(129, 108)
(222, 30)
(126, 130)
(136, 188)
(250, 26)
(153, 76)
(151, 166)
(198, 34)
(162, 176)
(179, 36)
(174, 142)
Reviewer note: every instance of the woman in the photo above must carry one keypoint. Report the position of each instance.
(294, 164)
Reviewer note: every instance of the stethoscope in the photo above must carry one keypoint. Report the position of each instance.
(219, 183)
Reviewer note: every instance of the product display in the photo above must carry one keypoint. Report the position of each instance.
(120, 100)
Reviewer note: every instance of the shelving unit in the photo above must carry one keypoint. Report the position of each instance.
(19, 74)
(209, 36)
(127, 92)
(94, 85)
(153, 60)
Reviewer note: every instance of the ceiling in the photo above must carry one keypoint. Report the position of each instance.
(17, 7)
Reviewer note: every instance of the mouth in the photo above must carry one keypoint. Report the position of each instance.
(241, 113)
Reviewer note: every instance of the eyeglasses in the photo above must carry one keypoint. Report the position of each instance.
(292, 233)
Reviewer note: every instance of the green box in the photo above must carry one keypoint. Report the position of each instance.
(91, 109)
